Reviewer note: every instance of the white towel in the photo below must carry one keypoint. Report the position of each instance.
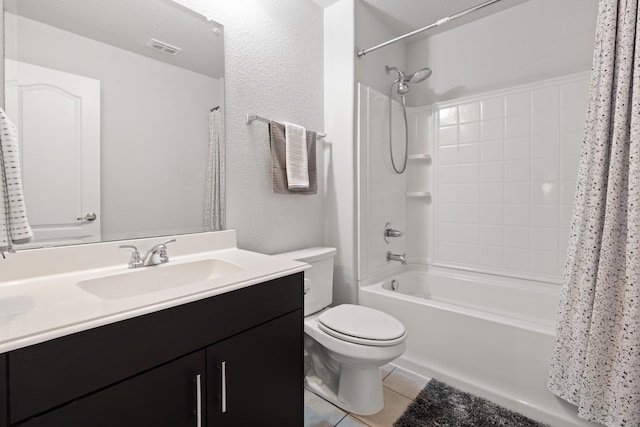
(297, 163)
(14, 227)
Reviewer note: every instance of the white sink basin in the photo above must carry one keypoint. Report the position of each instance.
(143, 280)
(15, 304)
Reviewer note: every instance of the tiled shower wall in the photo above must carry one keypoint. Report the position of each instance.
(419, 183)
(383, 196)
(506, 165)
(381, 192)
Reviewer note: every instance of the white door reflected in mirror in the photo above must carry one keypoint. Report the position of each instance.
(58, 120)
(153, 111)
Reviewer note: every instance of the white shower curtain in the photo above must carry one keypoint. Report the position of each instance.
(596, 362)
(213, 214)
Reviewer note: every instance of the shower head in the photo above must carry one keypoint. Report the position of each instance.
(403, 79)
(420, 75)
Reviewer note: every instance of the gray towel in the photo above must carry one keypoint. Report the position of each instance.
(278, 161)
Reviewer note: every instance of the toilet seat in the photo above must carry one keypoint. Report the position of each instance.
(362, 325)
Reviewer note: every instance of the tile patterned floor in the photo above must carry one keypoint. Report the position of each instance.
(400, 388)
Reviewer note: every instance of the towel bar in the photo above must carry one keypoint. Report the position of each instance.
(254, 117)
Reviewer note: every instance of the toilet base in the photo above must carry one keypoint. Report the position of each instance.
(359, 390)
(362, 388)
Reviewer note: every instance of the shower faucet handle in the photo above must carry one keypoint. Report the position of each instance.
(390, 232)
(393, 233)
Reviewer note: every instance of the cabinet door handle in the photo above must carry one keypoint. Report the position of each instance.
(224, 386)
(198, 400)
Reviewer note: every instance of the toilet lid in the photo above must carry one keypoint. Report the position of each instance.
(361, 325)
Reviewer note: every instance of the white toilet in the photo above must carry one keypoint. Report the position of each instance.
(345, 346)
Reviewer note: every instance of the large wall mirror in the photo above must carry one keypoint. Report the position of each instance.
(118, 106)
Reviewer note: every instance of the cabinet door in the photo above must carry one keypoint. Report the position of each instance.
(4, 418)
(164, 396)
(256, 377)
(53, 373)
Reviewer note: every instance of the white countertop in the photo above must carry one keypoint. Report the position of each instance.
(41, 307)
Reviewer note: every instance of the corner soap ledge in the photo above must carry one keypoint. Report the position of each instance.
(420, 156)
(419, 194)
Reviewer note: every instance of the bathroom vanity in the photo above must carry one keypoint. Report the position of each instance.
(218, 355)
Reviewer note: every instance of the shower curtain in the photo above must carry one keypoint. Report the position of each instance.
(213, 216)
(596, 361)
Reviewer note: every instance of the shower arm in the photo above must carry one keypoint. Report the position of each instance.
(439, 22)
(401, 76)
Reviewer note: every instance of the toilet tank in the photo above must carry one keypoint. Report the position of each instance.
(318, 280)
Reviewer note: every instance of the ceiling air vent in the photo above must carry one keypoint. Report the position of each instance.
(164, 47)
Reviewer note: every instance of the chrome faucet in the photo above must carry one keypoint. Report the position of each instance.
(154, 256)
(396, 257)
(157, 254)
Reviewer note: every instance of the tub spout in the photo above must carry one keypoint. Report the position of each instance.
(396, 257)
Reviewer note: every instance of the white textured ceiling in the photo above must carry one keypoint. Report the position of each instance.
(129, 24)
(324, 3)
(404, 16)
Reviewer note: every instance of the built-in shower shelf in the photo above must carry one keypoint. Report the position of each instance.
(420, 156)
(419, 194)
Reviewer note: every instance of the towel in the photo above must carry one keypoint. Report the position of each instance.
(14, 227)
(278, 161)
(295, 138)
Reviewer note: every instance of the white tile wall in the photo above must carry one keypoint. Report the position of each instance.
(383, 193)
(418, 236)
(506, 165)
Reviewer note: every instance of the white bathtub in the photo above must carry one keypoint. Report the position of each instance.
(488, 335)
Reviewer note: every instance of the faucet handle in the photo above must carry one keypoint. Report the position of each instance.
(390, 232)
(162, 250)
(135, 260)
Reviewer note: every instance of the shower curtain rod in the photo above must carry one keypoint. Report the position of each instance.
(439, 22)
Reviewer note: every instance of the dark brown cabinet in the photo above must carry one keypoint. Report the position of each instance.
(145, 370)
(165, 396)
(3, 391)
(255, 370)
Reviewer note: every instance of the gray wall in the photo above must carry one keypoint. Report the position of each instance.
(2, 53)
(274, 68)
(533, 41)
(371, 31)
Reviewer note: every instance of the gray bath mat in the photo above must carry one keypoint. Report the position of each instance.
(440, 405)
